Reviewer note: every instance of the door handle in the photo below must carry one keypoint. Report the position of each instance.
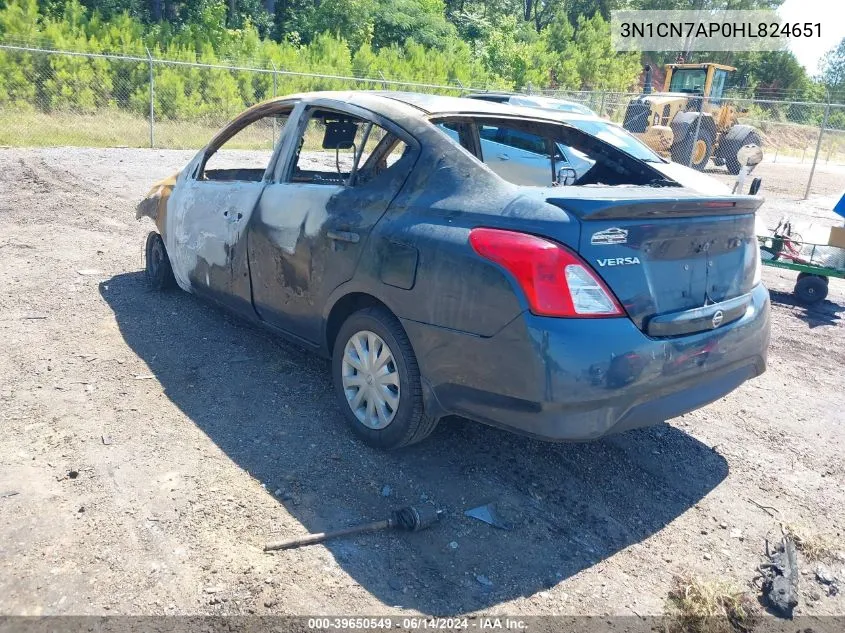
(343, 236)
(504, 157)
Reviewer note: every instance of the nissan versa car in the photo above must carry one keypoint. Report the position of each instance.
(382, 230)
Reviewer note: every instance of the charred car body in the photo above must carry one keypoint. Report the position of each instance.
(376, 231)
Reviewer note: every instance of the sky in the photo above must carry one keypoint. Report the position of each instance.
(831, 15)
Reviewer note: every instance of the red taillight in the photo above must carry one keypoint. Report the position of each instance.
(556, 281)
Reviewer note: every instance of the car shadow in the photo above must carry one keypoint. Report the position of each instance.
(822, 313)
(270, 407)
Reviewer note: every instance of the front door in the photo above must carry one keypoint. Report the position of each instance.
(210, 213)
(310, 226)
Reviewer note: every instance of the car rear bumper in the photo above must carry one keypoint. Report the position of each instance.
(581, 379)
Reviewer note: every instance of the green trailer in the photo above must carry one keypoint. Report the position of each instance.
(814, 263)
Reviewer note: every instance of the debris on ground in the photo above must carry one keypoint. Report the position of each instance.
(828, 579)
(813, 545)
(824, 575)
(780, 578)
(489, 514)
(107, 441)
(697, 606)
(386, 491)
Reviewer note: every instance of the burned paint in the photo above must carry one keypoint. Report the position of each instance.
(154, 205)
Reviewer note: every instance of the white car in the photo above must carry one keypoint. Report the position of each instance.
(522, 158)
(534, 101)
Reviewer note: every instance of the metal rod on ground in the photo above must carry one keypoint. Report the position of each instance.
(152, 99)
(311, 539)
(818, 147)
(409, 519)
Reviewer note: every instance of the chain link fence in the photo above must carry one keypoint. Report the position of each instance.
(50, 98)
(67, 98)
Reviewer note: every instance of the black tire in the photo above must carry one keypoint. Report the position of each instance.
(410, 423)
(158, 269)
(824, 279)
(733, 147)
(681, 151)
(811, 289)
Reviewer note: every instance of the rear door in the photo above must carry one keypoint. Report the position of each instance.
(343, 168)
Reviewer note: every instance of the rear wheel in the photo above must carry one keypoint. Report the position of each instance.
(158, 270)
(731, 151)
(696, 154)
(811, 288)
(377, 381)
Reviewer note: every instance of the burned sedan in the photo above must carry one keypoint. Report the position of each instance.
(392, 233)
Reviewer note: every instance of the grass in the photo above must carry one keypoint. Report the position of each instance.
(811, 544)
(118, 128)
(715, 606)
(112, 128)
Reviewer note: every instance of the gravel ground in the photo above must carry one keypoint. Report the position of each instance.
(155, 443)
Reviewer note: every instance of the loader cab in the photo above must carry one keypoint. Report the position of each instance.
(703, 80)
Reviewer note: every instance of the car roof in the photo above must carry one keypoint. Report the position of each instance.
(416, 105)
(441, 104)
(427, 104)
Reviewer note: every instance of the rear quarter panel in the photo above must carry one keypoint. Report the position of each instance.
(447, 194)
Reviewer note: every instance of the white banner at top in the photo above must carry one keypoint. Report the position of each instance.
(706, 30)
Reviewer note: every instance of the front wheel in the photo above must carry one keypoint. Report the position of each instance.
(377, 381)
(158, 270)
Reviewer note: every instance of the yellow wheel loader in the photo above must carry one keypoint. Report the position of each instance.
(690, 121)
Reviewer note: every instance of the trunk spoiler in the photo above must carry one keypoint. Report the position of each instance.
(653, 207)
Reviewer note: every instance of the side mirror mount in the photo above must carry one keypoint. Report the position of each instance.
(566, 176)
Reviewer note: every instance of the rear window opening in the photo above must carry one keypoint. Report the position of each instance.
(541, 154)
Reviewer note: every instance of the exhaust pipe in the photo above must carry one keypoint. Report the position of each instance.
(647, 80)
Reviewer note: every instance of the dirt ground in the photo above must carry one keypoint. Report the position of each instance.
(152, 445)
(786, 180)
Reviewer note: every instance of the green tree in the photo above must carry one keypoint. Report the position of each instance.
(833, 67)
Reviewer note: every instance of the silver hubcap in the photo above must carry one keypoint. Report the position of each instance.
(370, 379)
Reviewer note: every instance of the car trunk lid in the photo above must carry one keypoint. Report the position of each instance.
(673, 259)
